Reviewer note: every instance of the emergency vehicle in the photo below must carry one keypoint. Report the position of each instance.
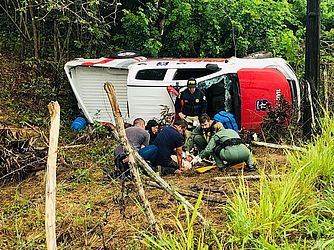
(143, 86)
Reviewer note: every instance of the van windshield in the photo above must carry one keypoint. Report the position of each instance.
(218, 91)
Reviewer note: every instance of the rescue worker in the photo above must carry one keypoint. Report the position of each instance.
(168, 140)
(227, 148)
(202, 134)
(191, 103)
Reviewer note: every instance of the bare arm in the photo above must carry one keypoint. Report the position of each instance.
(179, 156)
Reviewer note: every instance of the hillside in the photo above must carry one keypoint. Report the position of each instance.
(289, 206)
(91, 213)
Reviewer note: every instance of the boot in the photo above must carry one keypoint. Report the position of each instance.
(250, 168)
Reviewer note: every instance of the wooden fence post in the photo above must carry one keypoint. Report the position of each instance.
(113, 101)
(128, 150)
(50, 192)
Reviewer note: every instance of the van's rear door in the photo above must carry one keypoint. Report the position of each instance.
(258, 87)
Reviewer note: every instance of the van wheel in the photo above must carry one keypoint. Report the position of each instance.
(125, 54)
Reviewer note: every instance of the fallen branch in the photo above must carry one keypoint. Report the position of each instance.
(163, 183)
(245, 177)
(192, 194)
(272, 145)
(208, 189)
(129, 151)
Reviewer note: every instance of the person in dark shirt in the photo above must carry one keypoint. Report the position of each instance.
(191, 103)
(169, 139)
(152, 128)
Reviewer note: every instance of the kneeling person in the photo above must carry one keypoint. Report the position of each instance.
(202, 134)
(227, 148)
(168, 140)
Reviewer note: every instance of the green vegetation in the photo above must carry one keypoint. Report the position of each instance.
(291, 211)
(186, 236)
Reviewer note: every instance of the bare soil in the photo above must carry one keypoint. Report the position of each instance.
(92, 213)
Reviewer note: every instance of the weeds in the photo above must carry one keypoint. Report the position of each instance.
(295, 206)
(186, 236)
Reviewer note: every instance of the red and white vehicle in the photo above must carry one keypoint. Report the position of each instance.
(143, 85)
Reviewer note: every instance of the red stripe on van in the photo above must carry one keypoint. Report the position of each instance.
(99, 62)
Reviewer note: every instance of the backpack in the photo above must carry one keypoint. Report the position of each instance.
(227, 119)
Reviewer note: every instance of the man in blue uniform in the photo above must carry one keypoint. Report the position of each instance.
(191, 103)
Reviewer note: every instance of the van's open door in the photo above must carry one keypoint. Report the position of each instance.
(258, 87)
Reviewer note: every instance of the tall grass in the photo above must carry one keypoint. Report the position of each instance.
(294, 211)
(185, 236)
(291, 210)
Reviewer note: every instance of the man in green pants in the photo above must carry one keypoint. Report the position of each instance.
(202, 134)
(227, 148)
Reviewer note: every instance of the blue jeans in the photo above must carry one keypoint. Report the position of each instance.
(149, 153)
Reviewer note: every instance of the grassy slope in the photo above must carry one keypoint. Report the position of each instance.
(90, 212)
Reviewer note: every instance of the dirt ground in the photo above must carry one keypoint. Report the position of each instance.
(94, 213)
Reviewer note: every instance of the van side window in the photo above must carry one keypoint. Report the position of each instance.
(185, 74)
(151, 74)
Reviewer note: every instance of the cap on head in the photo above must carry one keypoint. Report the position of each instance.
(191, 83)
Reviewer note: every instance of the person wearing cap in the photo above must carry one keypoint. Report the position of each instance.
(191, 103)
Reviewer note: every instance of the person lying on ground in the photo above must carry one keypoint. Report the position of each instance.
(168, 140)
(227, 148)
(201, 135)
(186, 164)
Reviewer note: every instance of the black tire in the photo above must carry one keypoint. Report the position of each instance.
(125, 54)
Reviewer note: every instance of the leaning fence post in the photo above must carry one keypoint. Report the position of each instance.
(130, 152)
(135, 157)
(50, 192)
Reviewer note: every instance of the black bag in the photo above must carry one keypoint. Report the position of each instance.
(122, 169)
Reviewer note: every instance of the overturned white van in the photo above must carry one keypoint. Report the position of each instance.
(143, 85)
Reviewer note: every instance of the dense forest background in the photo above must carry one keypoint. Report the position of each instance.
(45, 34)
(58, 30)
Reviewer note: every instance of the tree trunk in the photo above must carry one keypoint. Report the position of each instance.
(34, 31)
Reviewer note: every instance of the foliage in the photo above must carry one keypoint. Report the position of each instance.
(300, 199)
(60, 30)
(277, 121)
